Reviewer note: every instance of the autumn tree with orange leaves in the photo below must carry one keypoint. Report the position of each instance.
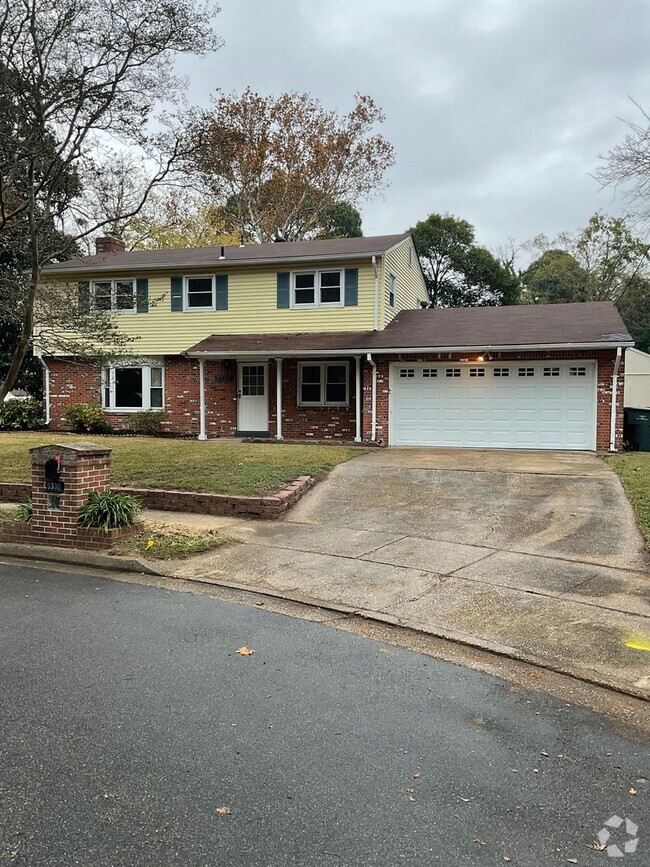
(279, 166)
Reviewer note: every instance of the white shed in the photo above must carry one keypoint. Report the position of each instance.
(637, 379)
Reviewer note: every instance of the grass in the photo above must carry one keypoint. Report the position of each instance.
(165, 542)
(216, 466)
(633, 469)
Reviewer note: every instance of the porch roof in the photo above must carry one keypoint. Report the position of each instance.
(527, 326)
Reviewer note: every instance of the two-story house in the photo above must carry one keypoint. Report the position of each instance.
(329, 340)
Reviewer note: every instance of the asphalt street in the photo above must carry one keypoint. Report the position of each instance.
(128, 721)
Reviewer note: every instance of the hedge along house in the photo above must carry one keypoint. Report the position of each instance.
(328, 340)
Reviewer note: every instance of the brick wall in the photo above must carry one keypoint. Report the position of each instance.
(604, 357)
(72, 382)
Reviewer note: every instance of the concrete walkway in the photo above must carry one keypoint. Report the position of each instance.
(534, 554)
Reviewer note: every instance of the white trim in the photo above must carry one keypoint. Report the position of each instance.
(323, 383)
(376, 273)
(407, 350)
(253, 363)
(113, 281)
(186, 307)
(146, 387)
(392, 290)
(373, 427)
(317, 272)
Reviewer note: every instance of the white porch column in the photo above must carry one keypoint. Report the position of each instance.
(278, 398)
(202, 433)
(357, 360)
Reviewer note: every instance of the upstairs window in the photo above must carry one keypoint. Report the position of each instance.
(113, 296)
(392, 292)
(317, 289)
(323, 384)
(199, 293)
(132, 387)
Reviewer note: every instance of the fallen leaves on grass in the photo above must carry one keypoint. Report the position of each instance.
(244, 651)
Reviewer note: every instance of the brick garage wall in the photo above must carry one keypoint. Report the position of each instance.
(317, 422)
(605, 359)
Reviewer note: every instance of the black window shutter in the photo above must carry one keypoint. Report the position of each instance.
(142, 294)
(351, 287)
(221, 283)
(284, 282)
(177, 293)
(83, 294)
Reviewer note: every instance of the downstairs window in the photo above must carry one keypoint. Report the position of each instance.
(323, 384)
(131, 388)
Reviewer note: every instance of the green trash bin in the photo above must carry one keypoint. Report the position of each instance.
(637, 427)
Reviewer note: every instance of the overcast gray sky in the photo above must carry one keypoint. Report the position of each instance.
(498, 109)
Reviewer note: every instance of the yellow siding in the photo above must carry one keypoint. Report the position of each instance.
(411, 288)
(252, 309)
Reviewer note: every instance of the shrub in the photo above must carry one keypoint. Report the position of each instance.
(109, 510)
(148, 422)
(24, 511)
(87, 418)
(21, 414)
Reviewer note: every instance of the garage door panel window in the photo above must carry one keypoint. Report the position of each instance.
(501, 371)
(429, 373)
(476, 372)
(577, 371)
(132, 388)
(323, 384)
(526, 371)
(452, 372)
(551, 371)
(407, 373)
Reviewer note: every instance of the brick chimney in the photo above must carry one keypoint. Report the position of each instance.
(109, 244)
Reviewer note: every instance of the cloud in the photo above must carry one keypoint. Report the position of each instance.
(498, 109)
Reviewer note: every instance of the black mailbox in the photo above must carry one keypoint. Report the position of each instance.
(53, 483)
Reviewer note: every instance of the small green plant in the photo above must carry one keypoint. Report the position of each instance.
(108, 510)
(87, 418)
(148, 422)
(24, 414)
(24, 511)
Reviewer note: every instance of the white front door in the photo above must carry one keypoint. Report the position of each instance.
(252, 398)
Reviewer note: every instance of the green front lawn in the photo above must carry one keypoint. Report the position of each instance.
(633, 469)
(216, 466)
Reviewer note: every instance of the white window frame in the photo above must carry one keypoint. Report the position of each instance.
(108, 381)
(323, 383)
(392, 291)
(317, 288)
(186, 293)
(114, 282)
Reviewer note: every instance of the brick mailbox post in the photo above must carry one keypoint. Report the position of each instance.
(62, 478)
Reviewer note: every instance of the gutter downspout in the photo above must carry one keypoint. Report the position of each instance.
(612, 422)
(373, 428)
(374, 268)
(47, 388)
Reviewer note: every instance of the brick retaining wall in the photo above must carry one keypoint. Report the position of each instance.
(22, 533)
(192, 501)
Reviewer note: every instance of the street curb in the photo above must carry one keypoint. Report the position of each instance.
(72, 557)
(134, 564)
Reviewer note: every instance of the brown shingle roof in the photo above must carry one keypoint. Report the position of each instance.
(448, 329)
(192, 257)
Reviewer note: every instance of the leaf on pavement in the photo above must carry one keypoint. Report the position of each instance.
(223, 811)
(572, 860)
(632, 791)
(465, 800)
(244, 651)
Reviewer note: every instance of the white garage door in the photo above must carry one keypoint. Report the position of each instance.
(529, 405)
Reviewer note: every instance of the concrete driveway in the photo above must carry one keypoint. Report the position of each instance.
(533, 551)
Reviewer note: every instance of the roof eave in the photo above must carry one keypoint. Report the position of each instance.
(410, 350)
(221, 263)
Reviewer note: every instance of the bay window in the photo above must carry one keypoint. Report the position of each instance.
(130, 388)
(323, 384)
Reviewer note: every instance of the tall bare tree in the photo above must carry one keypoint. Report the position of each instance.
(280, 165)
(627, 165)
(74, 74)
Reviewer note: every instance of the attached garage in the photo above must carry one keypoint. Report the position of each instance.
(509, 404)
